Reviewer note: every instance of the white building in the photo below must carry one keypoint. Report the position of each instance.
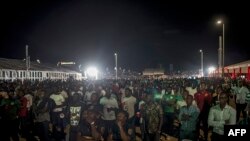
(14, 69)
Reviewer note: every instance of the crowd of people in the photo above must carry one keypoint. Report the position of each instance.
(111, 110)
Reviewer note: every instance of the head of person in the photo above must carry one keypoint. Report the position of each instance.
(149, 98)
(128, 92)
(76, 97)
(223, 98)
(203, 86)
(169, 90)
(41, 95)
(189, 100)
(91, 87)
(11, 94)
(94, 98)
(241, 83)
(219, 90)
(193, 85)
(92, 114)
(108, 92)
(122, 116)
(185, 94)
(4, 94)
(20, 93)
(84, 114)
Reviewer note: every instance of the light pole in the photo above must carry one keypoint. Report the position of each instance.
(116, 66)
(223, 45)
(201, 63)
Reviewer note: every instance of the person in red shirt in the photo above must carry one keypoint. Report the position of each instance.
(204, 100)
(23, 114)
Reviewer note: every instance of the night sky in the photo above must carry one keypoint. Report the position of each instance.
(143, 33)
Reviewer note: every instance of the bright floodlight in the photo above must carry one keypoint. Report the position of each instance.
(211, 69)
(200, 50)
(92, 72)
(219, 22)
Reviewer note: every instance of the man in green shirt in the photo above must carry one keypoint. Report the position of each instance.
(168, 104)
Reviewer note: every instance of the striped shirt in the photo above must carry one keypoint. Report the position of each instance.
(217, 118)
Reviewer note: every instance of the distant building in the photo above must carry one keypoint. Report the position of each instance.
(14, 69)
(154, 73)
(241, 69)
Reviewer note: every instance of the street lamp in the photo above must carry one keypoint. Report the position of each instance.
(116, 65)
(201, 63)
(223, 45)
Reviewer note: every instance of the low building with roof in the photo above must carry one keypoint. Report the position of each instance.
(241, 69)
(15, 69)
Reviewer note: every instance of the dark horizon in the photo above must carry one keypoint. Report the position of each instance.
(143, 33)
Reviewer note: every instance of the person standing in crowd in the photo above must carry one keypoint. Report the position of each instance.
(58, 118)
(169, 104)
(191, 88)
(220, 115)
(89, 92)
(216, 95)
(152, 115)
(74, 111)
(188, 117)
(11, 107)
(203, 99)
(182, 102)
(241, 103)
(95, 104)
(41, 111)
(110, 105)
(246, 121)
(128, 103)
(122, 130)
(23, 116)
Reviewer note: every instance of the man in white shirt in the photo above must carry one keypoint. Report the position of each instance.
(191, 89)
(58, 98)
(89, 92)
(110, 105)
(128, 103)
(220, 115)
(241, 100)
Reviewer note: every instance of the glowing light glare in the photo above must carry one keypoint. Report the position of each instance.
(211, 69)
(92, 72)
(219, 22)
(200, 50)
